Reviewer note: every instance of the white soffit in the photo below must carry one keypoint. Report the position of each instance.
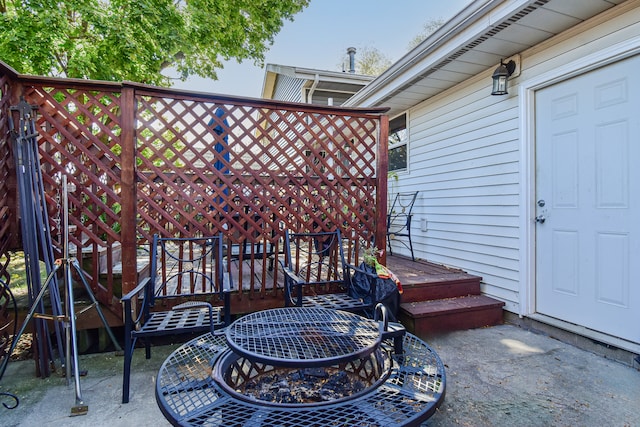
(470, 43)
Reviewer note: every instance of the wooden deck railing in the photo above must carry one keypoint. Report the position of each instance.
(142, 160)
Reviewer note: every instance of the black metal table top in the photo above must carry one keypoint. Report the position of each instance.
(302, 336)
(188, 395)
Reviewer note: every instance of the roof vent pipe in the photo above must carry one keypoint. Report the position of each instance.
(352, 59)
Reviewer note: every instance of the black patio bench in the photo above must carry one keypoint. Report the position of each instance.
(187, 275)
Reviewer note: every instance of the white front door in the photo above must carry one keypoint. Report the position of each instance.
(588, 200)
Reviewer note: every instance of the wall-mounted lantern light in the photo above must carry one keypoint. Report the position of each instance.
(501, 77)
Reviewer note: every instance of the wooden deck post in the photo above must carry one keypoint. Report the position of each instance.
(382, 167)
(128, 190)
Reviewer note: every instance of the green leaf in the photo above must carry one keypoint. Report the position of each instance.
(138, 39)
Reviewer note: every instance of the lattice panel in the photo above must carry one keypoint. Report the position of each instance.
(80, 138)
(299, 170)
(80, 133)
(204, 165)
(6, 210)
(250, 172)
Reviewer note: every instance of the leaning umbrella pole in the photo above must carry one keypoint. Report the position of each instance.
(34, 224)
(68, 319)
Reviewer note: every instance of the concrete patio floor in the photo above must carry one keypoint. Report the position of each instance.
(498, 376)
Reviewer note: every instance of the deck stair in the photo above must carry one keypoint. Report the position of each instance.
(438, 299)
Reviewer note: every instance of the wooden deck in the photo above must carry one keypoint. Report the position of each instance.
(421, 280)
(429, 288)
(420, 272)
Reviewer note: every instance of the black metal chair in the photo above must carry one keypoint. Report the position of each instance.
(181, 268)
(8, 330)
(316, 273)
(399, 220)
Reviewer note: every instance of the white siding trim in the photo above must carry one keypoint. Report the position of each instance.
(527, 201)
(527, 91)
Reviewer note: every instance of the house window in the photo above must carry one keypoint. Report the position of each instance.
(398, 143)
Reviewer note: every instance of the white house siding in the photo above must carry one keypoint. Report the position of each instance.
(466, 170)
(464, 156)
(288, 89)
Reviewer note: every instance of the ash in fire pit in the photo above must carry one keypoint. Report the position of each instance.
(305, 385)
(276, 385)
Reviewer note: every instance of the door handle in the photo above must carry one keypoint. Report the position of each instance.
(540, 219)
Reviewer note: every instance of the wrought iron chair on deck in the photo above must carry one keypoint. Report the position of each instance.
(399, 220)
(181, 268)
(316, 273)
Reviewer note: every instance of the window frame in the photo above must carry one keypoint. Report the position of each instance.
(396, 125)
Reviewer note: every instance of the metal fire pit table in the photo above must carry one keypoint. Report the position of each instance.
(189, 394)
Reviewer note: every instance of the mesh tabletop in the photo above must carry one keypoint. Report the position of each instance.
(303, 336)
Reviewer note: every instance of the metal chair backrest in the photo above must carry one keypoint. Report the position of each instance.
(317, 258)
(401, 209)
(186, 266)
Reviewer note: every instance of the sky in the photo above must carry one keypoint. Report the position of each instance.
(319, 36)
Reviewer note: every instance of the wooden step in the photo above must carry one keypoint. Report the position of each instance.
(88, 251)
(444, 315)
(102, 254)
(143, 267)
(451, 286)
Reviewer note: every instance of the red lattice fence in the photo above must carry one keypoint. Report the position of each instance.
(142, 160)
(7, 183)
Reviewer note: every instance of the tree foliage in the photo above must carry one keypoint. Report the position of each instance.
(429, 27)
(371, 62)
(137, 39)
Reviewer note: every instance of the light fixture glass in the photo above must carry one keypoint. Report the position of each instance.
(501, 77)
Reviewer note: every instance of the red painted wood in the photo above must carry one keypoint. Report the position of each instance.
(434, 308)
(445, 315)
(381, 195)
(446, 288)
(128, 195)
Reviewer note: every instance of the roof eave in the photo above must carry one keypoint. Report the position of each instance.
(449, 38)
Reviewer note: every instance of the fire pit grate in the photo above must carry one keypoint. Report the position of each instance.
(303, 336)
